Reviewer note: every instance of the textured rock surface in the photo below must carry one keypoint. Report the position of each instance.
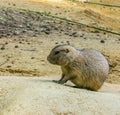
(33, 96)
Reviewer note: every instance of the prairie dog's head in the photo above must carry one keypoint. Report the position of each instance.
(62, 55)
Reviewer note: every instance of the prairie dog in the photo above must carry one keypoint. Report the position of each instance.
(86, 68)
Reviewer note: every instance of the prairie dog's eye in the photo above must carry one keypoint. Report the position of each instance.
(57, 52)
(67, 51)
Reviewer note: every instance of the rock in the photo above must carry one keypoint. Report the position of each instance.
(35, 96)
(74, 33)
(16, 46)
(56, 43)
(82, 35)
(16, 32)
(68, 42)
(3, 47)
(9, 66)
(32, 57)
(20, 42)
(6, 43)
(102, 41)
(47, 32)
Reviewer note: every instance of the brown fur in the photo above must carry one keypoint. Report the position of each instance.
(85, 68)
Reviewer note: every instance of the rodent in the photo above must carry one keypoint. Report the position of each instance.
(86, 68)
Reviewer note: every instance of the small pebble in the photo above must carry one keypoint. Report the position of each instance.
(16, 46)
(32, 57)
(47, 32)
(20, 42)
(28, 43)
(6, 43)
(68, 42)
(102, 41)
(2, 48)
(56, 42)
(8, 66)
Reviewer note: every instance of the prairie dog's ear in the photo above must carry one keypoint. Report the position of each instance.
(67, 50)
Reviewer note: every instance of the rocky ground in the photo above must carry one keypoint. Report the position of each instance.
(28, 31)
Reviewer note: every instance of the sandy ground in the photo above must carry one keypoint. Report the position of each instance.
(25, 55)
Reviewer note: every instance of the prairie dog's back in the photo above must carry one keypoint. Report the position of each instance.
(94, 58)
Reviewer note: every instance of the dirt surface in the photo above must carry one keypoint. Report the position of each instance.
(28, 32)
